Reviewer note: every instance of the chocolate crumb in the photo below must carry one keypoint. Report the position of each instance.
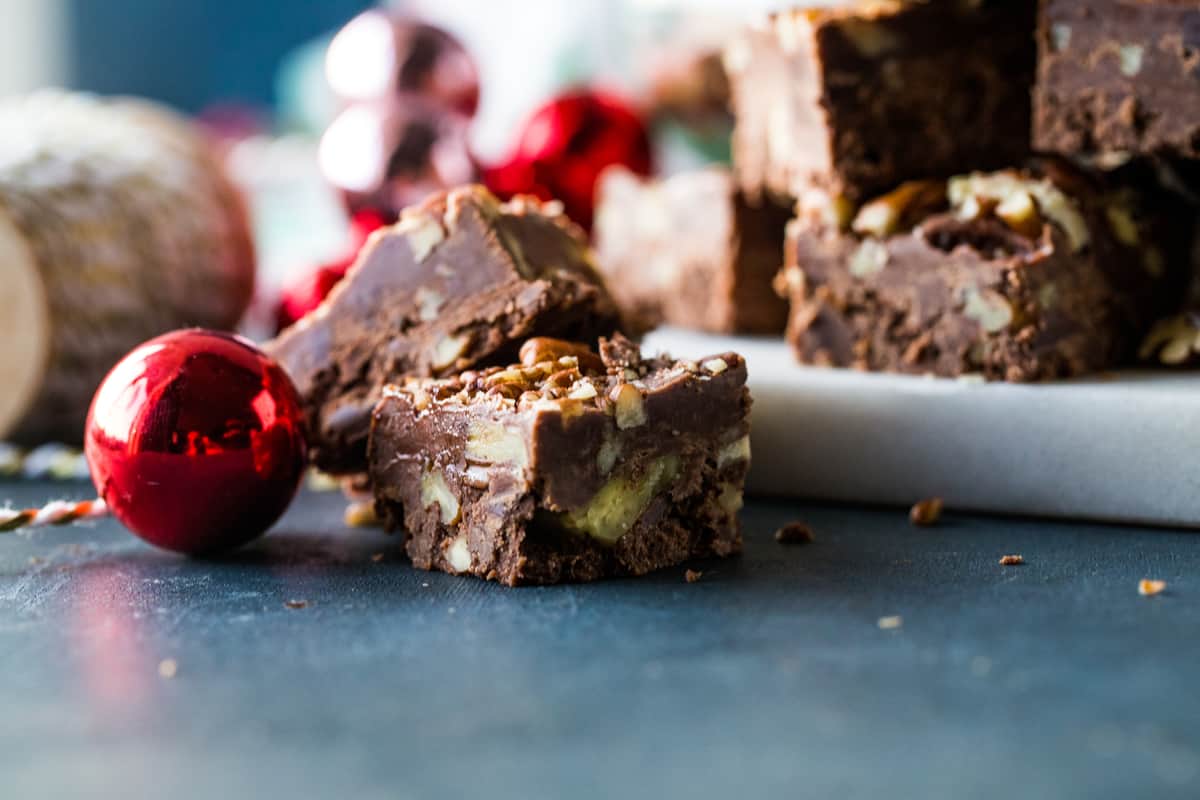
(377, 557)
(168, 668)
(795, 533)
(692, 575)
(927, 512)
(295, 604)
(1015, 560)
(1149, 588)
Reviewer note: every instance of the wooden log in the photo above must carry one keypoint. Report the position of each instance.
(116, 224)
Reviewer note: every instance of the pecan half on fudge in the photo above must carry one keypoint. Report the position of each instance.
(461, 280)
(690, 250)
(567, 467)
(1117, 77)
(1019, 275)
(856, 98)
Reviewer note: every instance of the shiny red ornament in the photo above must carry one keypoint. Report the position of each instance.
(386, 156)
(195, 441)
(305, 293)
(565, 146)
(379, 54)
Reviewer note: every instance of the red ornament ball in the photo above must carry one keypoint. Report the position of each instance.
(565, 146)
(195, 441)
(386, 156)
(379, 54)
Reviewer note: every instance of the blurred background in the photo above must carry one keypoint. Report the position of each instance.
(329, 117)
(256, 73)
(195, 56)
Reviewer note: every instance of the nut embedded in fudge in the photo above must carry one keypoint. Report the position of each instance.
(570, 466)
(859, 98)
(690, 251)
(1019, 275)
(461, 280)
(1173, 341)
(1116, 77)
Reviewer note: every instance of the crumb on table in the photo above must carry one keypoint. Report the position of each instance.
(926, 512)
(1148, 587)
(361, 514)
(692, 575)
(795, 533)
(1014, 560)
(890, 623)
(296, 604)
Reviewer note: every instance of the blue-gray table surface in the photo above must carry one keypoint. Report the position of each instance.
(769, 677)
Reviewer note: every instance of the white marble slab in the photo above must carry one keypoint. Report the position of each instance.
(1119, 448)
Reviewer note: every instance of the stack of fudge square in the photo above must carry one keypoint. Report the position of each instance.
(471, 365)
(953, 187)
(1002, 188)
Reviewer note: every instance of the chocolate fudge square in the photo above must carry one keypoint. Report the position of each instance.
(690, 251)
(569, 466)
(461, 280)
(1117, 77)
(857, 98)
(1019, 275)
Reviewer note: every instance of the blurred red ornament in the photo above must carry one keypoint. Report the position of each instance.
(306, 292)
(380, 54)
(195, 441)
(388, 155)
(566, 144)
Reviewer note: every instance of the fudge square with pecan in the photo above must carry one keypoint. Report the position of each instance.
(690, 250)
(461, 280)
(569, 466)
(856, 98)
(1020, 275)
(1117, 77)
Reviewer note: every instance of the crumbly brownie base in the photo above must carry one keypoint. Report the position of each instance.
(569, 469)
(1118, 77)
(948, 314)
(1019, 280)
(530, 549)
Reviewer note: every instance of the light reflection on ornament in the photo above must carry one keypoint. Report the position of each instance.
(361, 61)
(379, 55)
(348, 151)
(388, 155)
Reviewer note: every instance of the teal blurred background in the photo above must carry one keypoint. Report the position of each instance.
(264, 55)
(190, 53)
